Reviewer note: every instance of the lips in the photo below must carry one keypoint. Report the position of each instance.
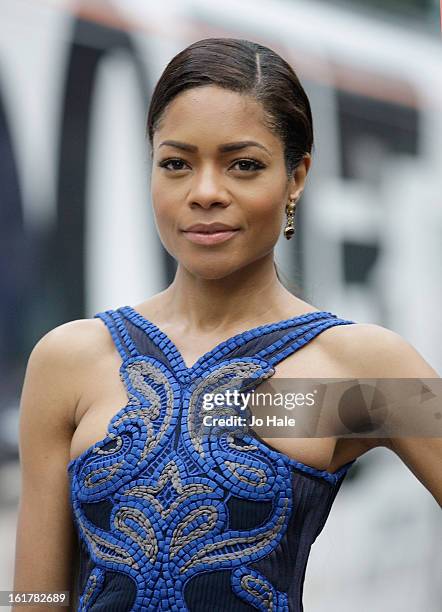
(210, 228)
(210, 234)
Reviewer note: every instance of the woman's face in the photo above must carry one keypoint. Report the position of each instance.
(195, 181)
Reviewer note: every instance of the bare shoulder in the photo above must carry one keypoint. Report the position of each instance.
(74, 339)
(73, 342)
(367, 350)
(62, 355)
(373, 351)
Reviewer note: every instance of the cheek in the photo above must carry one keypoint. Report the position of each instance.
(165, 221)
(164, 214)
(265, 218)
(164, 204)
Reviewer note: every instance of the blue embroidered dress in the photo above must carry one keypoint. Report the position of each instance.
(169, 519)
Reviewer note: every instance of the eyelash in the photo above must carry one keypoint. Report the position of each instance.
(258, 165)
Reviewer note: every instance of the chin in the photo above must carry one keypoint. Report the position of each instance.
(210, 271)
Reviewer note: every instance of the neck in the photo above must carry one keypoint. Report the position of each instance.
(253, 293)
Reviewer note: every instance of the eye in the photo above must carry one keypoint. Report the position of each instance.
(166, 162)
(257, 165)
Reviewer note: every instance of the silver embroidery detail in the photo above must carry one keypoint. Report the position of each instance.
(136, 372)
(110, 471)
(245, 447)
(266, 599)
(147, 543)
(209, 513)
(110, 451)
(255, 542)
(170, 473)
(234, 468)
(90, 588)
(104, 549)
(242, 370)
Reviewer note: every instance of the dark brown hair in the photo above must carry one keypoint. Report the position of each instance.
(247, 68)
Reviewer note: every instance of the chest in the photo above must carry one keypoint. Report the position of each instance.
(103, 395)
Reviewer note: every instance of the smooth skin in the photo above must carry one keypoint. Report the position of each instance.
(72, 389)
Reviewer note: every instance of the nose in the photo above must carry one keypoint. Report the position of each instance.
(207, 190)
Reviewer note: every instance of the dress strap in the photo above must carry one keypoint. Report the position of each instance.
(130, 340)
(117, 329)
(297, 338)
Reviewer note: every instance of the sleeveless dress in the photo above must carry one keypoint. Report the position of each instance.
(168, 519)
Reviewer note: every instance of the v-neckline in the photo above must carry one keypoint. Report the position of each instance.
(141, 321)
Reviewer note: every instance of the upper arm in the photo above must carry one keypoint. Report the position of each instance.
(385, 354)
(45, 539)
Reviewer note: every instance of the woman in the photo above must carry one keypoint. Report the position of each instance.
(166, 518)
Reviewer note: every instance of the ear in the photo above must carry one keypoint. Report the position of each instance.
(299, 175)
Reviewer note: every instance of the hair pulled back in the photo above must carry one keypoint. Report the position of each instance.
(248, 68)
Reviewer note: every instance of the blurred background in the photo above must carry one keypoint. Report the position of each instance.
(77, 234)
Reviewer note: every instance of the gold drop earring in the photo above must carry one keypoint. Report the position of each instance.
(289, 229)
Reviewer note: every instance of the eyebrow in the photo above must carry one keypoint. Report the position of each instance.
(224, 148)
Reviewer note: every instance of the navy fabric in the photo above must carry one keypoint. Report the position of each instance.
(170, 517)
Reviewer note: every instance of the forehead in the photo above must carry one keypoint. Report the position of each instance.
(214, 114)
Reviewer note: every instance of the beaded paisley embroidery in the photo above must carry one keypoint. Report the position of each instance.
(172, 517)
